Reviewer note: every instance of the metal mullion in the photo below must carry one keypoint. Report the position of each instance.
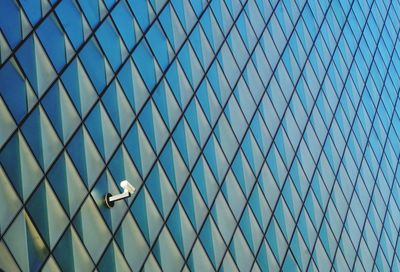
(282, 186)
(391, 188)
(197, 158)
(82, 122)
(343, 86)
(357, 175)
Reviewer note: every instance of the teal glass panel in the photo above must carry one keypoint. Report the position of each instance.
(259, 135)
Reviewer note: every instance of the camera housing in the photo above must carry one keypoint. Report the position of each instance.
(128, 191)
(127, 187)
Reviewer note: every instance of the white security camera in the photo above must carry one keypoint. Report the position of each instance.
(127, 186)
(128, 190)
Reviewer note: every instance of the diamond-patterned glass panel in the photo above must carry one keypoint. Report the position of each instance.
(260, 135)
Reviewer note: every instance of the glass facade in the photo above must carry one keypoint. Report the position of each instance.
(260, 135)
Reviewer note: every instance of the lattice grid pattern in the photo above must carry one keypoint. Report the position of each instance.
(259, 134)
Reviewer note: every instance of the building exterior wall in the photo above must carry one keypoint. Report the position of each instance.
(260, 135)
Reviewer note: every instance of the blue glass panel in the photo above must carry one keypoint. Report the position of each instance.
(15, 90)
(54, 42)
(96, 65)
(111, 43)
(36, 65)
(93, 10)
(73, 21)
(13, 22)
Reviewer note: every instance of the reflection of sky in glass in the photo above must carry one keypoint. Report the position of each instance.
(260, 135)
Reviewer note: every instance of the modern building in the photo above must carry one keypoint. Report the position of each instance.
(259, 135)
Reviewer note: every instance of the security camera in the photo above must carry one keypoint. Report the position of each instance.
(128, 191)
(127, 186)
